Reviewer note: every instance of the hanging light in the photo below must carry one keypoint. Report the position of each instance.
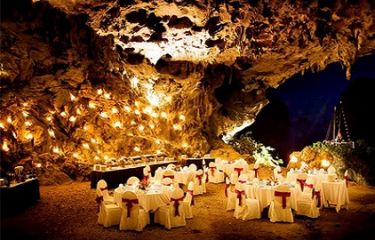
(92, 105)
(137, 112)
(28, 123)
(176, 127)
(163, 115)
(184, 145)
(106, 157)
(117, 124)
(72, 97)
(9, 119)
(182, 117)
(93, 140)
(29, 136)
(137, 149)
(154, 115)
(51, 133)
(293, 159)
(127, 108)
(133, 122)
(25, 113)
(141, 128)
(107, 95)
(152, 126)
(63, 114)
(99, 91)
(134, 82)
(76, 155)
(72, 119)
(49, 118)
(56, 150)
(86, 145)
(104, 115)
(325, 163)
(78, 111)
(157, 141)
(2, 125)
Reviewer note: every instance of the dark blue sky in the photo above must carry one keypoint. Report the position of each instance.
(301, 108)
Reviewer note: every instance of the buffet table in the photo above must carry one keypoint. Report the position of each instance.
(18, 196)
(118, 175)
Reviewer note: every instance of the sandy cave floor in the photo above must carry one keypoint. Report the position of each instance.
(70, 212)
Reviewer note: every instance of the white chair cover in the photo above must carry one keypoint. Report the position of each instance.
(307, 201)
(280, 208)
(189, 201)
(239, 210)
(199, 183)
(172, 215)
(133, 217)
(214, 175)
(133, 181)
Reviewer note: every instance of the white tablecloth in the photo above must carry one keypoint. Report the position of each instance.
(335, 193)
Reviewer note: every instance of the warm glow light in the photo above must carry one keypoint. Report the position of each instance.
(107, 95)
(106, 157)
(117, 124)
(49, 118)
(5, 147)
(28, 123)
(72, 119)
(72, 97)
(2, 125)
(78, 111)
(137, 149)
(29, 136)
(163, 115)
(86, 145)
(134, 82)
(293, 159)
(148, 110)
(99, 91)
(25, 104)
(154, 115)
(104, 115)
(152, 126)
(176, 127)
(168, 98)
(141, 128)
(76, 155)
(63, 114)
(133, 122)
(157, 141)
(158, 152)
(85, 128)
(114, 110)
(325, 163)
(127, 108)
(136, 103)
(182, 117)
(152, 97)
(38, 165)
(9, 119)
(56, 150)
(14, 135)
(96, 158)
(92, 105)
(184, 145)
(25, 113)
(51, 133)
(137, 112)
(93, 140)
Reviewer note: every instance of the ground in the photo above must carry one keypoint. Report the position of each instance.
(70, 212)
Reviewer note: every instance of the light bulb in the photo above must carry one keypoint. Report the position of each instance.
(152, 126)
(92, 105)
(51, 133)
(72, 119)
(293, 159)
(72, 97)
(29, 136)
(163, 115)
(137, 149)
(86, 145)
(93, 140)
(56, 149)
(5, 147)
(107, 95)
(9, 119)
(117, 124)
(63, 114)
(182, 117)
(28, 123)
(141, 128)
(104, 115)
(114, 110)
(127, 108)
(137, 112)
(99, 91)
(2, 125)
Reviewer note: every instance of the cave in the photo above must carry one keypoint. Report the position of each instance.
(230, 94)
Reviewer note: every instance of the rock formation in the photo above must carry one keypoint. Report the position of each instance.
(87, 80)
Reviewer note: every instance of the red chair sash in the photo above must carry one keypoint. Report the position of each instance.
(129, 204)
(317, 195)
(212, 170)
(309, 185)
(176, 203)
(238, 170)
(99, 199)
(242, 181)
(199, 178)
(256, 172)
(301, 183)
(191, 192)
(283, 195)
(239, 196)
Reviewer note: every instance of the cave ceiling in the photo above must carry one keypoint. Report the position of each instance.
(92, 80)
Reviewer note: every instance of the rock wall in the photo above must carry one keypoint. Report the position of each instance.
(87, 81)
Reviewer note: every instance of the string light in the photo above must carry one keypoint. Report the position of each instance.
(14, 135)
(107, 95)
(2, 125)
(99, 91)
(176, 127)
(325, 163)
(63, 114)
(133, 122)
(72, 97)
(154, 115)
(25, 113)
(137, 112)
(86, 145)
(51, 133)
(78, 111)
(56, 149)
(49, 118)
(76, 155)
(92, 105)
(152, 126)
(106, 157)
(5, 147)
(29, 136)
(28, 123)
(72, 119)
(163, 115)
(25, 104)
(182, 117)
(97, 158)
(137, 149)
(293, 159)
(9, 119)
(134, 82)
(136, 103)
(127, 108)
(158, 152)
(104, 115)
(114, 110)
(117, 124)
(184, 145)
(157, 141)
(93, 140)
(141, 128)
(148, 110)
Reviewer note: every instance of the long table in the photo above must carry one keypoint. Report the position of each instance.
(17, 197)
(114, 177)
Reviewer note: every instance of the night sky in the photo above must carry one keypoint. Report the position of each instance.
(301, 109)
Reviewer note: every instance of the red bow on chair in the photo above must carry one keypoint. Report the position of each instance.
(256, 172)
(129, 204)
(284, 195)
(176, 204)
(317, 195)
(145, 178)
(239, 196)
(191, 192)
(309, 185)
(199, 178)
(212, 170)
(104, 188)
(301, 183)
(238, 170)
